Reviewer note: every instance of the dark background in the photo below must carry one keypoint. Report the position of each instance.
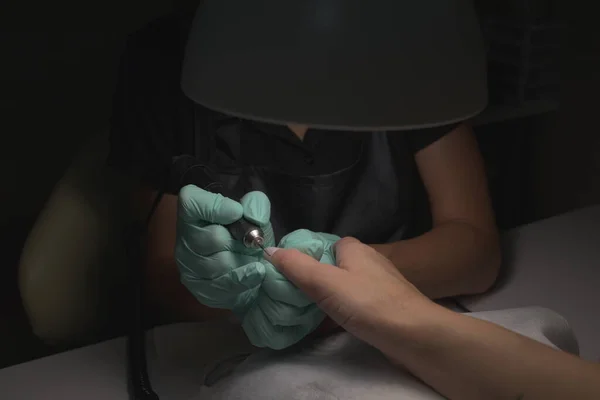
(57, 70)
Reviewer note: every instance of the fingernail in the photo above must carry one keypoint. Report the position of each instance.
(269, 251)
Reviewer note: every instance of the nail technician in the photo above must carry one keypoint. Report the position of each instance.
(325, 120)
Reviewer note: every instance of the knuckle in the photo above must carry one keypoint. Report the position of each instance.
(349, 240)
(257, 194)
(216, 232)
(191, 203)
(188, 194)
(210, 239)
(184, 201)
(260, 196)
(220, 204)
(346, 242)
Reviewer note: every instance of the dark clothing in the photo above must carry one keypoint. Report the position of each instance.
(319, 183)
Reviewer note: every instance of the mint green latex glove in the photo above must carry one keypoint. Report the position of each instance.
(282, 315)
(217, 269)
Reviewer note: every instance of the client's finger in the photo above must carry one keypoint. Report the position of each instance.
(315, 279)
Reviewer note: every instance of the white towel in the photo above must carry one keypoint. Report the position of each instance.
(343, 368)
(182, 357)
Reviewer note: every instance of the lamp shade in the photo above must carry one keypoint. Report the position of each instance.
(338, 64)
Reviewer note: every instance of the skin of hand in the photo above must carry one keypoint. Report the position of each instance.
(459, 356)
(359, 295)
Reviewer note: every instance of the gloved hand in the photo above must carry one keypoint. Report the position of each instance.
(217, 269)
(282, 315)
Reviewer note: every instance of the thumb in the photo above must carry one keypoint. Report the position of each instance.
(315, 279)
(257, 208)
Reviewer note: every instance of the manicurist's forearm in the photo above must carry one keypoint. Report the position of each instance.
(452, 259)
(465, 358)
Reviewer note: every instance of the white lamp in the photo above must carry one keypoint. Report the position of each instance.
(338, 64)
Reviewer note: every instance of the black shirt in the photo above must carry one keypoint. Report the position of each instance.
(153, 120)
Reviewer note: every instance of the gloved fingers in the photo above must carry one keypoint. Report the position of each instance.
(282, 314)
(204, 240)
(284, 291)
(330, 237)
(281, 289)
(244, 302)
(223, 292)
(211, 239)
(262, 333)
(207, 267)
(257, 208)
(197, 205)
(305, 241)
(308, 243)
(241, 278)
(277, 286)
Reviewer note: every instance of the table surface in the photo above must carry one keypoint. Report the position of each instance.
(552, 263)
(177, 357)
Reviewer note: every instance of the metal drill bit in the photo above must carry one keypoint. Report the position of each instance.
(259, 242)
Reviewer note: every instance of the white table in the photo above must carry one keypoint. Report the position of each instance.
(552, 263)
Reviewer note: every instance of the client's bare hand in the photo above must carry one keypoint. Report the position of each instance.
(364, 293)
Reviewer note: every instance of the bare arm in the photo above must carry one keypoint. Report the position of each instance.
(169, 300)
(461, 357)
(461, 254)
(466, 358)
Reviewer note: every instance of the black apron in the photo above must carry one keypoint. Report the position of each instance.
(363, 200)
